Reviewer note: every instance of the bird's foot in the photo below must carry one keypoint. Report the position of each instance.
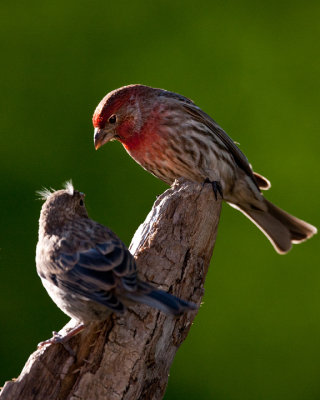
(216, 187)
(62, 339)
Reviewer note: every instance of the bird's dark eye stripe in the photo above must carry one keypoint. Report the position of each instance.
(113, 119)
(81, 202)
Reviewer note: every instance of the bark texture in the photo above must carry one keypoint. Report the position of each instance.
(129, 357)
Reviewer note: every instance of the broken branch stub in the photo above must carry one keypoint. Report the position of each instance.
(129, 357)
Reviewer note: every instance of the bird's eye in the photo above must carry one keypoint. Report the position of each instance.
(113, 119)
(81, 202)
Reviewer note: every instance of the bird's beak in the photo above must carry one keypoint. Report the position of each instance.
(101, 137)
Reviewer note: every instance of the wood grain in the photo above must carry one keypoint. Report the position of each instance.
(129, 357)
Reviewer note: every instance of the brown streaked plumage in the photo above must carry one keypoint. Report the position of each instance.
(168, 135)
(86, 269)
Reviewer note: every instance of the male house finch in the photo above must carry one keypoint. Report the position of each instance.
(86, 269)
(169, 136)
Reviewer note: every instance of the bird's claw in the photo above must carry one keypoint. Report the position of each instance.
(216, 187)
(58, 338)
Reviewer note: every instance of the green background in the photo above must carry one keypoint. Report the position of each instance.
(254, 67)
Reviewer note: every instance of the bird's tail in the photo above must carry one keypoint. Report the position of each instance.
(161, 300)
(281, 228)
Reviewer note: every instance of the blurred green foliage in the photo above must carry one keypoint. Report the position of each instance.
(254, 66)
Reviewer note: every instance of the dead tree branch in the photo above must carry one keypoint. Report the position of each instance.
(129, 357)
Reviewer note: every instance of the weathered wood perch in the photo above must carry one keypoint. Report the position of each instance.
(129, 357)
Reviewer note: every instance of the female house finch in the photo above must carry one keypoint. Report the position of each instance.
(169, 136)
(86, 269)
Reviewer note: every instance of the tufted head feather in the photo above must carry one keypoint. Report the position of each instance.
(69, 187)
(45, 193)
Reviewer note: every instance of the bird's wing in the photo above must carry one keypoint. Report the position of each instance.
(95, 273)
(200, 116)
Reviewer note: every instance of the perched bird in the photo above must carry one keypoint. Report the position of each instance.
(169, 136)
(86, 269)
